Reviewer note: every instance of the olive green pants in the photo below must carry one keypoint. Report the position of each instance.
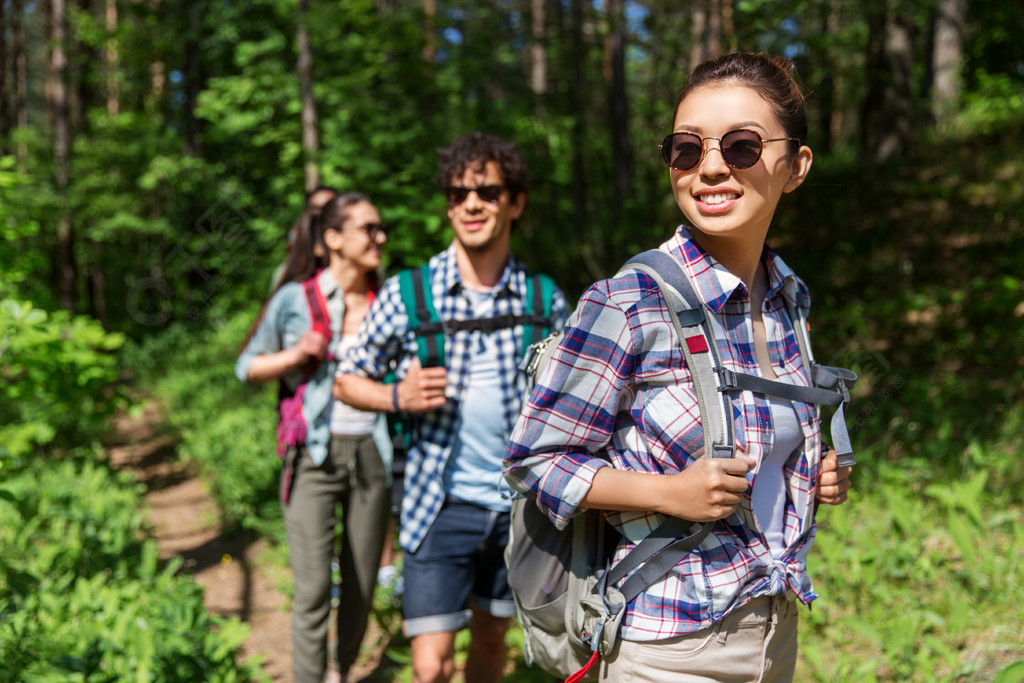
(352, 477)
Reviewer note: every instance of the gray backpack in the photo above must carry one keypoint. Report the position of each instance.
(563, 581)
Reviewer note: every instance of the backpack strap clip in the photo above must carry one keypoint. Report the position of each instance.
(727, 379)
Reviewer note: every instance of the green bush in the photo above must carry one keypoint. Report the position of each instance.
(83, 596)
(57, 379)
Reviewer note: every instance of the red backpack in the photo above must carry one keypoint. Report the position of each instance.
(291, 426)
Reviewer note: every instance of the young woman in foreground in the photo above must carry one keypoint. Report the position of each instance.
(597, 437)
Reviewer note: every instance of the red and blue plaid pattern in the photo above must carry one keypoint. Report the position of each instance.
(603, 400)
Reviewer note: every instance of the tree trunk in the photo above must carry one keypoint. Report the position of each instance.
(80, 65)
(622, 154)
(5, 86)
(729, 26)
(310, 136)
(579, 137)
(112, 58)
(20, 79)
(699, 15)
(887, 118)
(194, 79)
(827, 90)
(157, 75)
(429, 17)
(948, 54)
(58, 105)
(714, 29)
(538, 56)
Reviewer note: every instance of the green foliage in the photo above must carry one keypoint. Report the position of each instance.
(226, 428)
(83, 595)
(916, 586)
(57, 375)
(997, 101)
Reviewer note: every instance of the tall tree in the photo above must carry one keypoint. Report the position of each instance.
(538, 54)
(698, 47)
(429, 20)
(194, 77)
(947, 55)
(80, 68)
(112, 58)
(310, 134)
(5, 84)
(714, 28)
(58, 106)
(20, 77)
(887, 118)
(578, 135)
(622, 151)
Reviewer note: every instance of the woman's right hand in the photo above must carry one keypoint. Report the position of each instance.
(707, 490)
(310, 345)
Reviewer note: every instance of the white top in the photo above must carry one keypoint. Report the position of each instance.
(769, 495)
(345, 419)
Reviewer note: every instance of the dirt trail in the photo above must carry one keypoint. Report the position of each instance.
(236, 578)
(239, 573)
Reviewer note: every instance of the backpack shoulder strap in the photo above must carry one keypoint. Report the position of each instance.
(317, 307)
(540, 292)
(320, 319)
(837, 381)
(696, 336)
(830, 386)
(417, 296)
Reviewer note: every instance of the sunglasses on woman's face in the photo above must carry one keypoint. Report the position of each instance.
(740, 149)
(372, 230)
(488, 193)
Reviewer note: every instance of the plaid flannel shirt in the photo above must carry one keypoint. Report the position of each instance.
(593, 407)
(386, 341)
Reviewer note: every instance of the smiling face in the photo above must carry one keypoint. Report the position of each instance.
(724, 203)
(480, 225)
(352, 240)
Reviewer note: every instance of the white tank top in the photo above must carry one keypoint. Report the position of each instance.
(345, 419)
(769, 495)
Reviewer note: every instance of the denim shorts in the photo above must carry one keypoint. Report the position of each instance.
(459, 565)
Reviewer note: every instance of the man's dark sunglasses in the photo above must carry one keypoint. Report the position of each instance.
(740, 148)
(489, 193)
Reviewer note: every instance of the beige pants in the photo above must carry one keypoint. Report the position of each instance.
(755, 643)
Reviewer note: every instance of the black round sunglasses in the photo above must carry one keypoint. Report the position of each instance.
(740, 148)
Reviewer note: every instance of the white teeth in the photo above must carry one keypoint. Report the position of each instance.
(718, 198)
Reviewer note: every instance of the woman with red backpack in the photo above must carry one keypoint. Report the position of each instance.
(330, 456)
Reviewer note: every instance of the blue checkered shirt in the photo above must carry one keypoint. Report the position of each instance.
(386, 341)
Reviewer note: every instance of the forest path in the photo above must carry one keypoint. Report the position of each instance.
(234, 569)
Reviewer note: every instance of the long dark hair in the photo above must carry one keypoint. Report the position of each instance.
(307, 254)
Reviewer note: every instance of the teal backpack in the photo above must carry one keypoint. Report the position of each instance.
(431, 332)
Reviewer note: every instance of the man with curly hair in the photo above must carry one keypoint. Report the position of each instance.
(454, 522)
